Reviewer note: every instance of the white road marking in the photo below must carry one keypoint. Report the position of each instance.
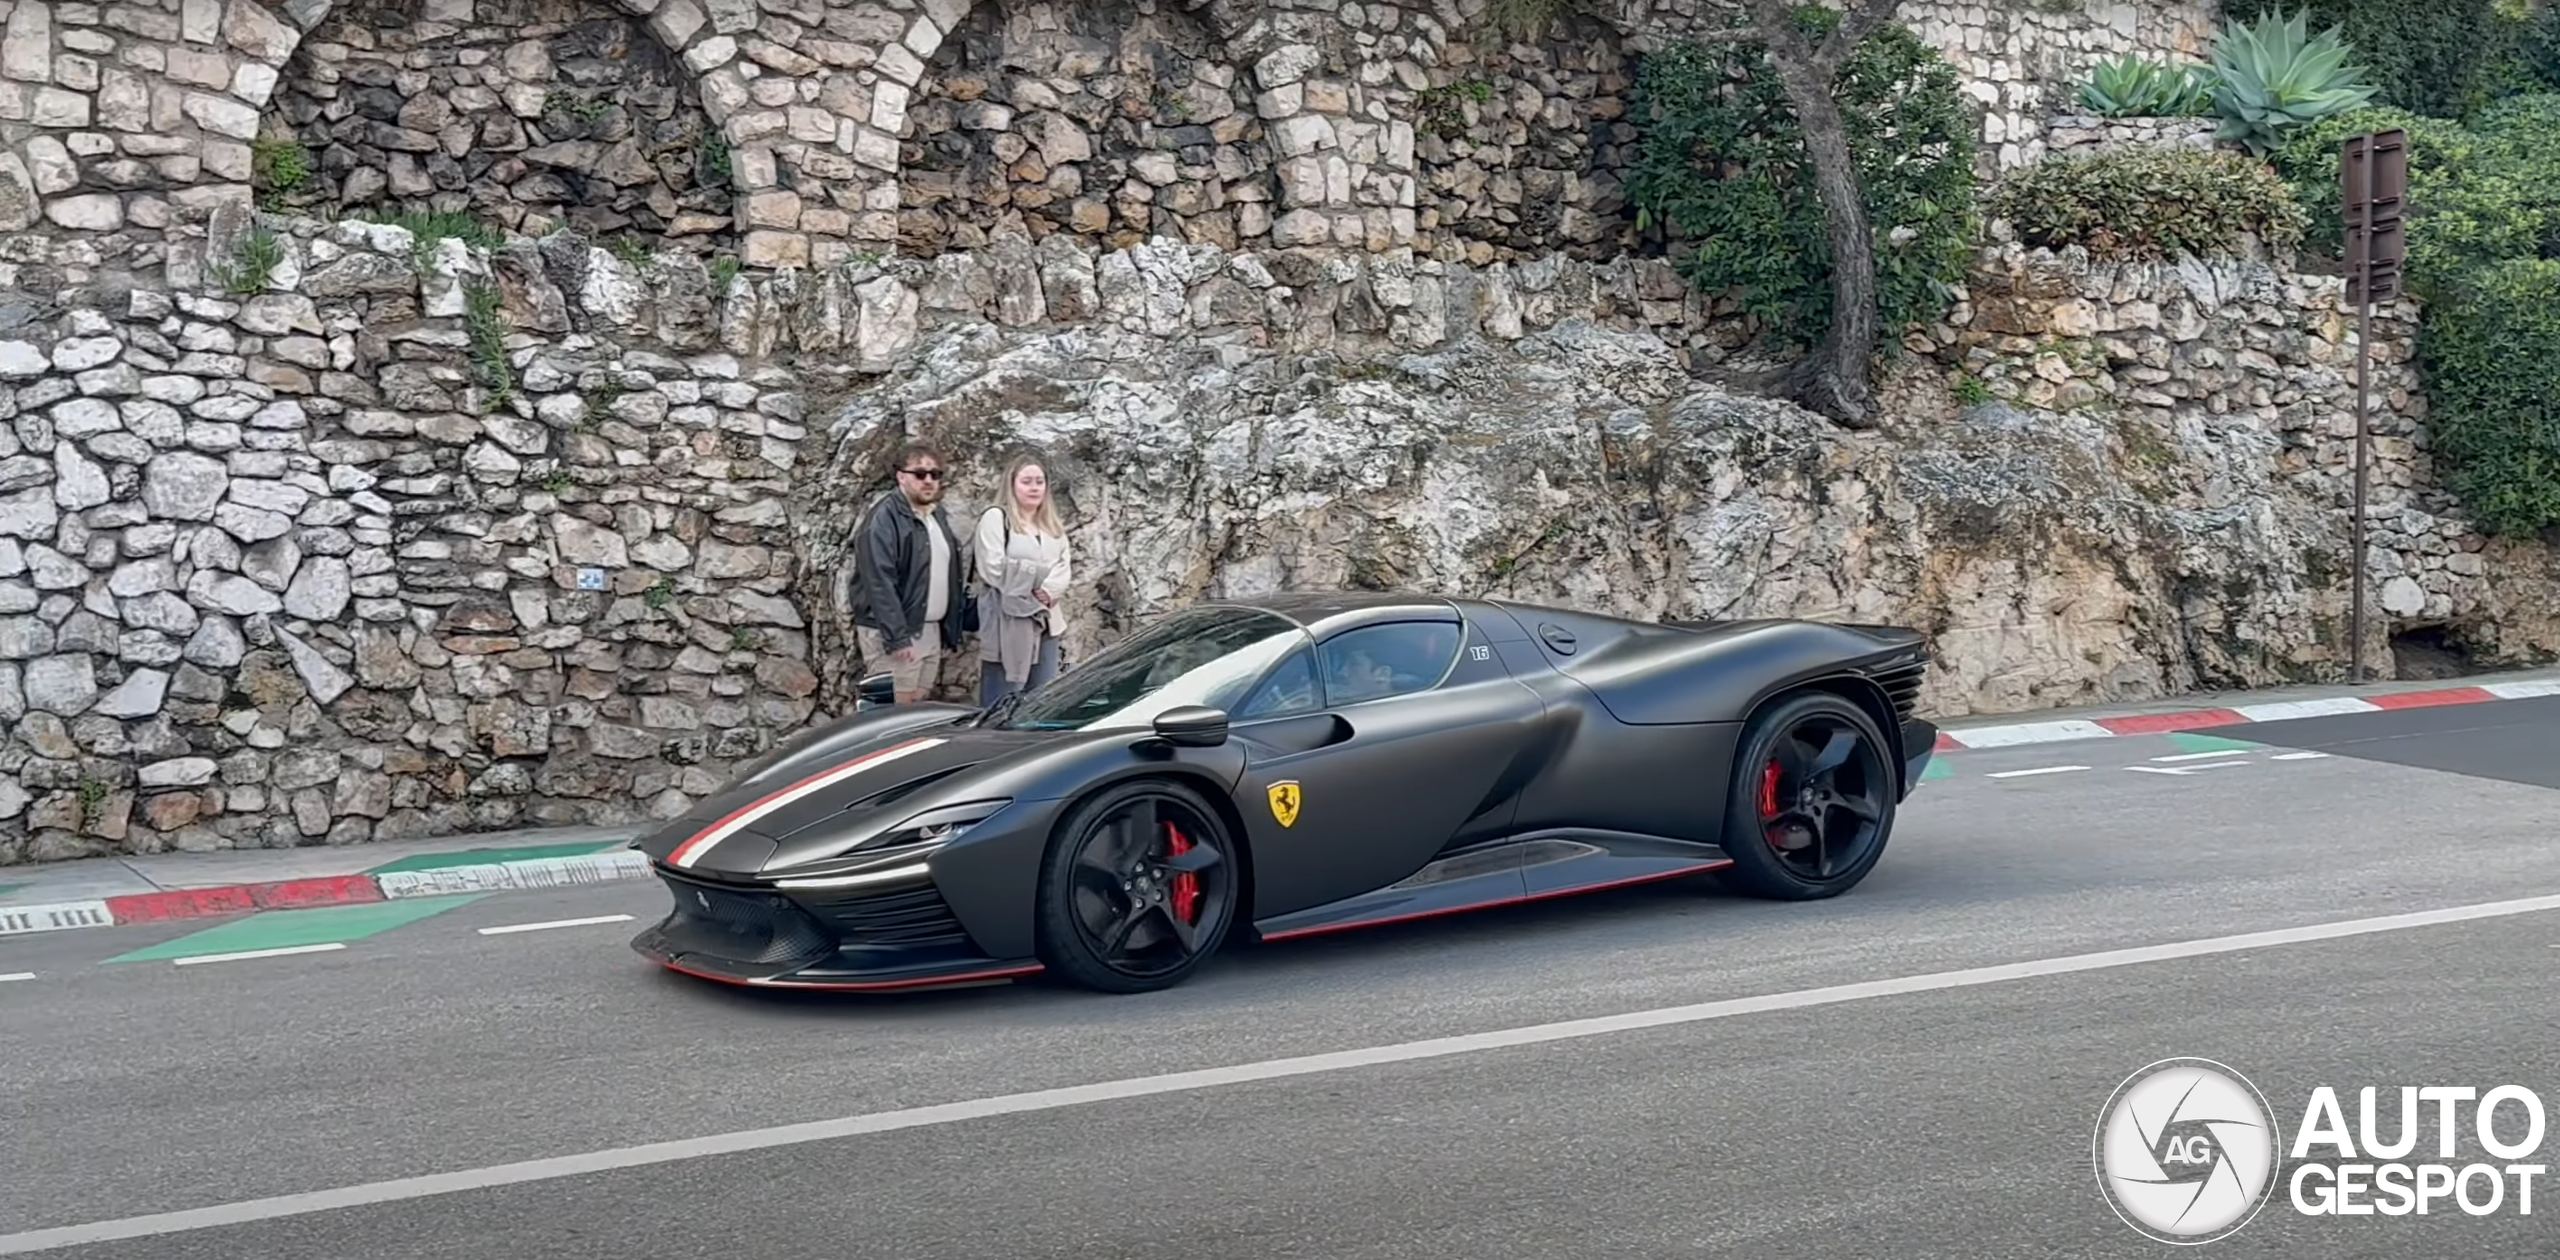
(556, 923)
(2281, 710)
(2297, 756)
(2029, 733)
(2218, 765)
(244, 955)
(559, 1166)
(55, 917)
(2522, 690)
(22, 975)
(2204, 756)
(2012, 774)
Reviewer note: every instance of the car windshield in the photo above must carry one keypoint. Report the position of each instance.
(1205, 656)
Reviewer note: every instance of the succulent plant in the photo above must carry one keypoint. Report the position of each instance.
(2273, 76)
(2130, 87)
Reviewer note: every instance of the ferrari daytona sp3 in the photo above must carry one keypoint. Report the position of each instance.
(1290, 765)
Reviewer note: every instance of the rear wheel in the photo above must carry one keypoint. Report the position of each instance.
(1137, 889)
(1812, 801)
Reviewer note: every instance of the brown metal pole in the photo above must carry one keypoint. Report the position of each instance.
(2364, 377)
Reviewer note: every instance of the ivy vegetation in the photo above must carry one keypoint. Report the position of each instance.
(1720, 169)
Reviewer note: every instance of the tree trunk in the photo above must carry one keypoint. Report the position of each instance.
(1833, 380)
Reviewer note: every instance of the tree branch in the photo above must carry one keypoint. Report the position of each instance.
(1861, 19)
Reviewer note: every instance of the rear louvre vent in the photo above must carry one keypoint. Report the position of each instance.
(1902, 686)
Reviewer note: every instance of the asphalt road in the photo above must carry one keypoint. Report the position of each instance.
(1954, 1119)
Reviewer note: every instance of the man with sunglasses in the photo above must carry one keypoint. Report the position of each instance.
(909, 583)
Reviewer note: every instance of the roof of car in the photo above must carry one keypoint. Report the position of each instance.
(1323, 611)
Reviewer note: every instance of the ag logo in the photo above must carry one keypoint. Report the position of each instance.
(1284, 802)
(2186, 1151)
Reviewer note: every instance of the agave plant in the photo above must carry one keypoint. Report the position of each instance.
(2273, 76)
(2130, 87)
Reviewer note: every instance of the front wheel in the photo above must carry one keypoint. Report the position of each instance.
(1137, 889)
(1812, 800)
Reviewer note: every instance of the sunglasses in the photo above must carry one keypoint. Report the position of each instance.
(923, 474)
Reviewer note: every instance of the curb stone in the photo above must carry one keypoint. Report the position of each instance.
(334, 890)
(2048, 732)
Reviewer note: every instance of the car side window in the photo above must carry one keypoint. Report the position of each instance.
(1289, 688)
(1398, 658)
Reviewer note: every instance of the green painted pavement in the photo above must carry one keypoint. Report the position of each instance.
(1938, 769)
(2189, 741)
(6, 889)
(482, 857)
(284, 929)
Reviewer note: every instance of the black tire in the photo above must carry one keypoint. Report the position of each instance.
(1812, 800)
(1098, 879)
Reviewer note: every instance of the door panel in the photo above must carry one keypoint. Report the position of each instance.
(1408, 782)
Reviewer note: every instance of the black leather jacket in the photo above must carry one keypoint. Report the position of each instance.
(889, 582)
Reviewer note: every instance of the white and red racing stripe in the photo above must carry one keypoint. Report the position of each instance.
(745, 816)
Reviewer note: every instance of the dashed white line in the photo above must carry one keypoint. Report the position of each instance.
(2013, 774)
(2203, 756)
(2297, 756)
(2219, 765)
(556, 923)
(22, 975)
(837, 1128)
(245, 955)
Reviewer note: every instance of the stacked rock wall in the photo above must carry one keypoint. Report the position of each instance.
(532, 115)
(282, 567)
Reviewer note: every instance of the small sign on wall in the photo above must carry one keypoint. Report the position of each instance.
(590, 579)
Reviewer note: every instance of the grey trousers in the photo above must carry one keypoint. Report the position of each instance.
(994, 686)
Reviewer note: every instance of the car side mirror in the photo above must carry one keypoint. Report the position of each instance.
(1192, 726)
(875, 691)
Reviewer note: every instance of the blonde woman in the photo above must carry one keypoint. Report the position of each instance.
(1022, 560)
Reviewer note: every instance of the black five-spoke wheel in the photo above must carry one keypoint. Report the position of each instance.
(1814, 798)
(1139, 889)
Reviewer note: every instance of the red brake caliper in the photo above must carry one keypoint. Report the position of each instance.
(1769, 791)
(1186, 886)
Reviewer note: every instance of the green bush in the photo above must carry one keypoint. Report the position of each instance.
(2150, 202)
(1720, 163)
(2441, 58)
(2475, 195)
(2490, 350)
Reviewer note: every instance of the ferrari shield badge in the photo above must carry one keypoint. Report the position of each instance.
(1284, 802)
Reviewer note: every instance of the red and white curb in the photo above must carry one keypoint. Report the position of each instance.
(2049, 732)
(333, 890)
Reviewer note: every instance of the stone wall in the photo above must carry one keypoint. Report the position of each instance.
(392, 542)
(1094, 119)
(2078, 135)
(364, 554)
(2246, 374)
(1235, 123)
(533, 115)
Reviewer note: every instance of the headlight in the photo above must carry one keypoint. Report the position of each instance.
(929, 830)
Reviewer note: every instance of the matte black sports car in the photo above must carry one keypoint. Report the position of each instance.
(1294, 765)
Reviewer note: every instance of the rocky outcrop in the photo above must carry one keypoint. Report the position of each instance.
(2141, 494)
